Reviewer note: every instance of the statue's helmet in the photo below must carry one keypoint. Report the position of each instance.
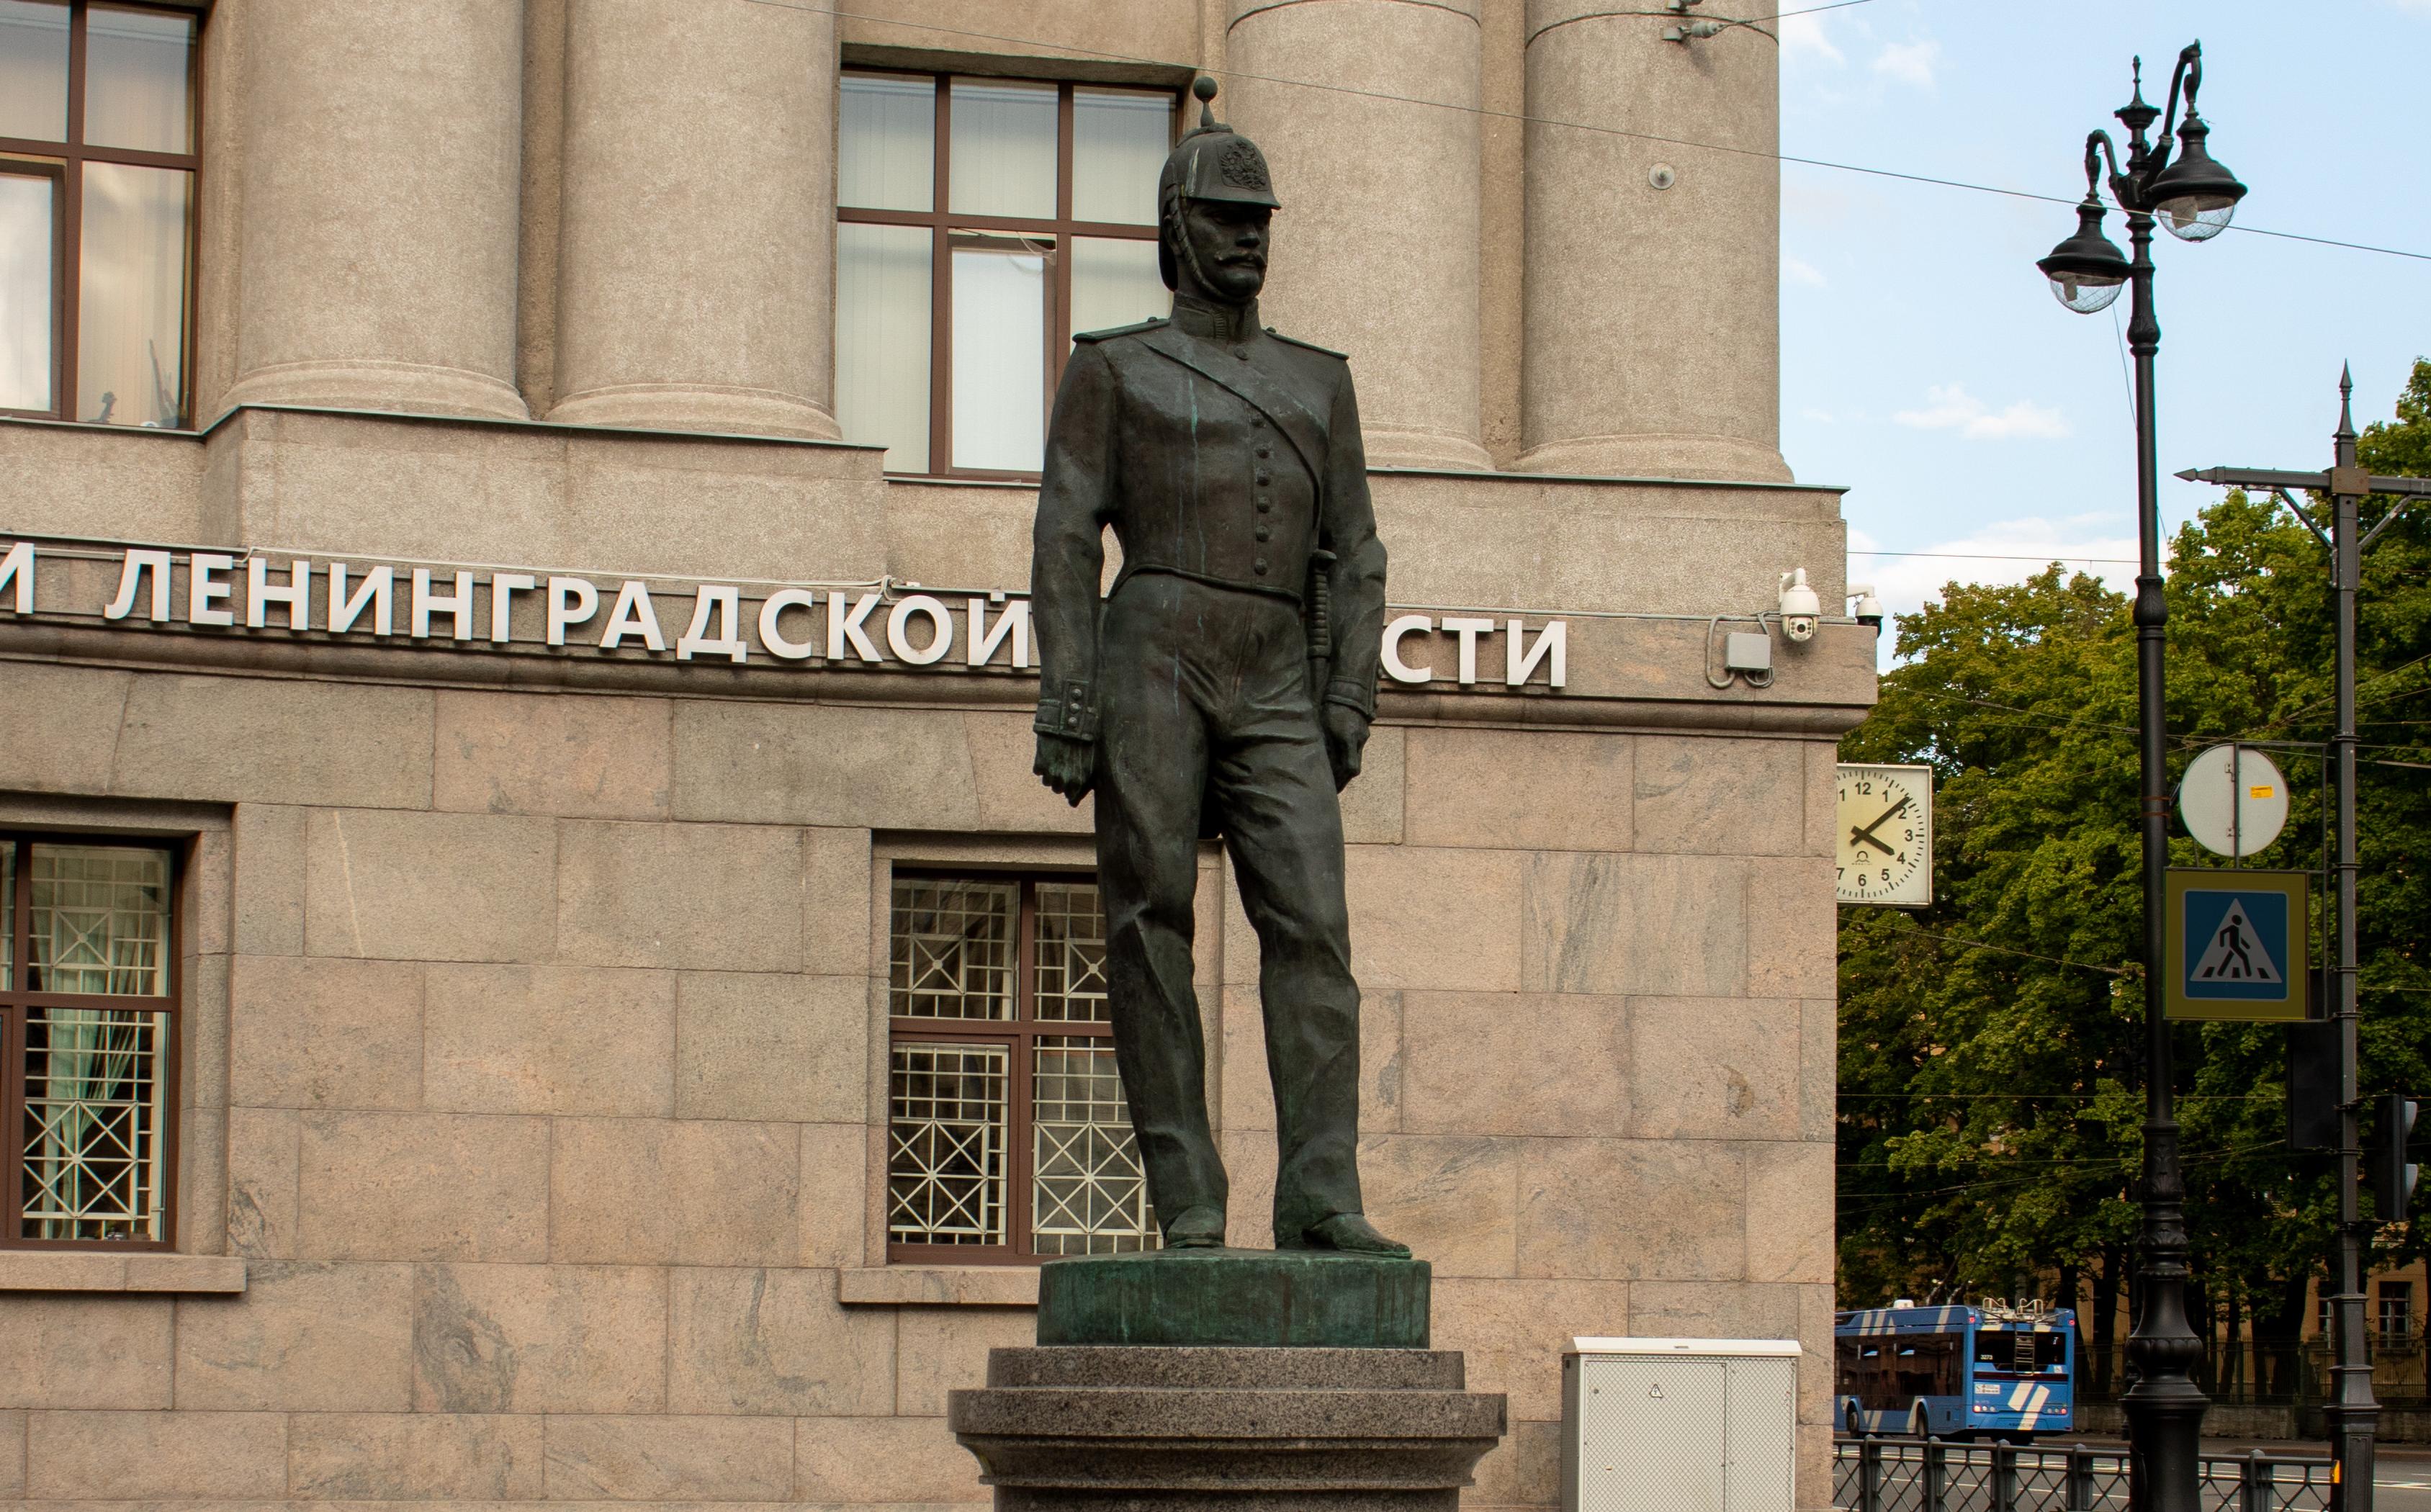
(1212, 162)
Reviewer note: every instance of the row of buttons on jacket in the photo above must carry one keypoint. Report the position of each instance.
(1266, 505)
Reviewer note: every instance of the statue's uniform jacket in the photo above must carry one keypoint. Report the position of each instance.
(1198, 478)
(1224, 456)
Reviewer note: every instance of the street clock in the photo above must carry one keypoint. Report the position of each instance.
(1884, 835)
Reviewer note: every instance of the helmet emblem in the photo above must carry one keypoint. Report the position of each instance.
(1242, 166)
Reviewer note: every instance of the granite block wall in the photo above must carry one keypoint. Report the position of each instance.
(543, 1080)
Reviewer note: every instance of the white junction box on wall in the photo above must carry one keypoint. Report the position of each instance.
(1679, 1424)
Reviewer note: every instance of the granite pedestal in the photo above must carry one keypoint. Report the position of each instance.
(1231, 1379)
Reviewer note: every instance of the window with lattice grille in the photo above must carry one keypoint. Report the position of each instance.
(1007, 1134)
(88, 1067)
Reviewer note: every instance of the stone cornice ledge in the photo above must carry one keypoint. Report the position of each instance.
(146, 1272)
(1626, 674)
(938, 1286)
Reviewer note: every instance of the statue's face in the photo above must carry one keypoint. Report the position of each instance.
(1228, 241)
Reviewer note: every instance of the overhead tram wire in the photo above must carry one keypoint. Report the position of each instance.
(2195, 739)
(1526, 119)
(2002, 949)
(1891, 1201)
(2062, 559)
(2266, 1148)
(1752, 23)
(2046, 1096)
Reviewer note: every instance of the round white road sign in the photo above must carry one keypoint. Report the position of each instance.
(2233, 800)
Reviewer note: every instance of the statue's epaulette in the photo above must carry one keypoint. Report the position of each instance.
(1118, 331)
(1310, 345)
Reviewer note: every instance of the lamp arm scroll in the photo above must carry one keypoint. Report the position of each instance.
(2147, 162)
(2099, 149)
(2189, 73)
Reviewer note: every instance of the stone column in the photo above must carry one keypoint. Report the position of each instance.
(1652, 313)
(377, 253)
(1376, 249)
(695, 275)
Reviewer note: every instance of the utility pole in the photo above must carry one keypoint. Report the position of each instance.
(2354, 1414)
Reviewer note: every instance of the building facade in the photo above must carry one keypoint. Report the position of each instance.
(536, 967)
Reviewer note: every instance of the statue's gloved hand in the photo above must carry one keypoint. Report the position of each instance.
(1345, 736)
(1067, 765)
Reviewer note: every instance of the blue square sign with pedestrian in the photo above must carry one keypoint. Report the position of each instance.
(2236, 944)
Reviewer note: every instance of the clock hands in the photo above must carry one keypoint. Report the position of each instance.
(1865, 836)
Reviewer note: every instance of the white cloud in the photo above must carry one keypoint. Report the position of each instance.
(2006, 551)
(1910, 63)
(1950, 406)
(1805, 34)
(1798, 270)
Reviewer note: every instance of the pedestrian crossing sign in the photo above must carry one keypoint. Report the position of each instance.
(2235, 944)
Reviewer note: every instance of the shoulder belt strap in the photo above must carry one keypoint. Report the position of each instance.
(1300, 425)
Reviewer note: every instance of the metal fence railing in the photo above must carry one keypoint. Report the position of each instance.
(1932, 1475)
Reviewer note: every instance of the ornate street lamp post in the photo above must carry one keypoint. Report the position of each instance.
(2194, 197)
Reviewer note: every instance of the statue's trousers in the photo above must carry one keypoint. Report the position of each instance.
(1205, 695)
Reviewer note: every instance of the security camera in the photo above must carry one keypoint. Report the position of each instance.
(1868, 609)
(1799, 606)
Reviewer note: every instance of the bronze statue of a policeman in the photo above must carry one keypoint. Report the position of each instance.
(1226, 684)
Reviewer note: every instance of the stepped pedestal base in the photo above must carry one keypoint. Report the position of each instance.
(1131, 1429)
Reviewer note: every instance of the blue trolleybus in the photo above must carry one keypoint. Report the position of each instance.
(1985, 1372)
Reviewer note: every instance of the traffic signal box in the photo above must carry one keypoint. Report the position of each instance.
(2313, 1117)
(2392, 1177)
(2313, 1084)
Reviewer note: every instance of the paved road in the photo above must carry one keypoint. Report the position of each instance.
(2403, 1487)
(2401, 1482)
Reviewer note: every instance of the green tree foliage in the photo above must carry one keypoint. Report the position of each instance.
(1990, 1083)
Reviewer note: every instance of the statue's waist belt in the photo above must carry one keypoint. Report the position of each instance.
(1133, 569)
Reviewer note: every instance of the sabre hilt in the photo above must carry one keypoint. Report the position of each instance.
(1321, 611)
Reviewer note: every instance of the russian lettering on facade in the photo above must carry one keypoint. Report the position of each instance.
(879, 624)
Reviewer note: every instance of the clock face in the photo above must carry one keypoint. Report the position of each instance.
(1885, 835)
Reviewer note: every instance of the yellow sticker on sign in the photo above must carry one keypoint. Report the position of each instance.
(2262, 791)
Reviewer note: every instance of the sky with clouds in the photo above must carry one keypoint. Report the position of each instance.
(1924, 362)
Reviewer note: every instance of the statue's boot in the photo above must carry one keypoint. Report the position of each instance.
(1353, 1235)
(1195, 1228)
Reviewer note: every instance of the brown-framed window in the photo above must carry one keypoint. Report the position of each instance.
(2396, 1312)
(97, 162)
(980, 222)
(89, 992)
(1008, 1139)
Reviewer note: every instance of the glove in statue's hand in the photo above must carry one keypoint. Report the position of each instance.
(1345, 736)
(1067, 765)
